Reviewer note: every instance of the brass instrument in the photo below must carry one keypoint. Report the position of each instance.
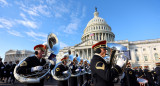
(116, 51)
(35, 77)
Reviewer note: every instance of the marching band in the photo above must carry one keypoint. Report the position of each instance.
(75, 71)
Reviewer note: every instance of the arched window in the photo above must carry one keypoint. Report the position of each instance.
(156, 56)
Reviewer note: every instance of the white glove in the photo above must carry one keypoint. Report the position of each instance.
(77, 70)
(71, 67)
(52, 62)
(65, 72)
(10, 72)
(82, 69)
(2, 67)
(36, 68)
(120, 62)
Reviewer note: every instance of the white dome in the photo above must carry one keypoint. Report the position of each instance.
(96, 20)
(98, 29)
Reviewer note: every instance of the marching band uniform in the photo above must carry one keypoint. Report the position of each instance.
(80, 77)
(32, 64)
(86, 75)
(73, 67)
(60, 71)
(102, 73)
(130, 78)
(157, 72)
(140, 72)
(148, 76)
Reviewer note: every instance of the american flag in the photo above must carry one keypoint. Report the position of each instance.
(92, 34)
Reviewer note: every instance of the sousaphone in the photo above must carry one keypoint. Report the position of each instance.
(35, 77)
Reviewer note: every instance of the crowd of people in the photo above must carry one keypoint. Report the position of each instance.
(6, 71)
(80, 72)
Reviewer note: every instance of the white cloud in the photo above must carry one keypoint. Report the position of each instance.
(70, 29)
(4, 23)
(23, 16)
(28, 23)
(3, 3)
(15, 33)
(62, 45)
(36, 10)
(37, 36)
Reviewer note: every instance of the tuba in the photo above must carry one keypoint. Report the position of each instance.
(116, 51)
(63, 76)
(75, 72)
(35, 77)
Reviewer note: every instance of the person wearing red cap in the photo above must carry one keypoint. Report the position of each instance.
(34, 63)
(62, 69)
(148, 76)
(103, 74)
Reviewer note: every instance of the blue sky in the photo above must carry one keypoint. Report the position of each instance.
(26, 23)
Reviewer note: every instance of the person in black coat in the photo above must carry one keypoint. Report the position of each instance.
(12, 70)
(74, 70)
(33, 63)
(62, 69)
(130, 77)
(1, 69)
(80, 77)
(103, 74)
(148, 76)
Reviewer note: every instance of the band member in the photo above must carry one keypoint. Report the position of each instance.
(157, 72)
(80, 78)
(74, 69)
(130, 78)
(103, 74)
(140, 72)
(136, 71)
(148, 76)
(34, 63)
(86, 77)
(61, 70)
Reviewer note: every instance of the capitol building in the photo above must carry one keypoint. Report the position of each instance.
(13, 55)
(143, 53)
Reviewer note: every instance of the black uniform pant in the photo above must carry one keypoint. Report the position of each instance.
(63, 83)
(80, 80)
(73, 81)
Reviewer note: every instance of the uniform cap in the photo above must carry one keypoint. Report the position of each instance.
(64, 58)
(145, 66)
(158, 64)
(40, 47)
(101, 44)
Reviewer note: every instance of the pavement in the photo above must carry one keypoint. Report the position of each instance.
(50, 82)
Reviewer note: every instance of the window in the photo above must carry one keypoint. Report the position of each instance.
(136, 50)
(145, 58)
(137, 58)
(156, 56)
(144, 49)
(154, 48)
